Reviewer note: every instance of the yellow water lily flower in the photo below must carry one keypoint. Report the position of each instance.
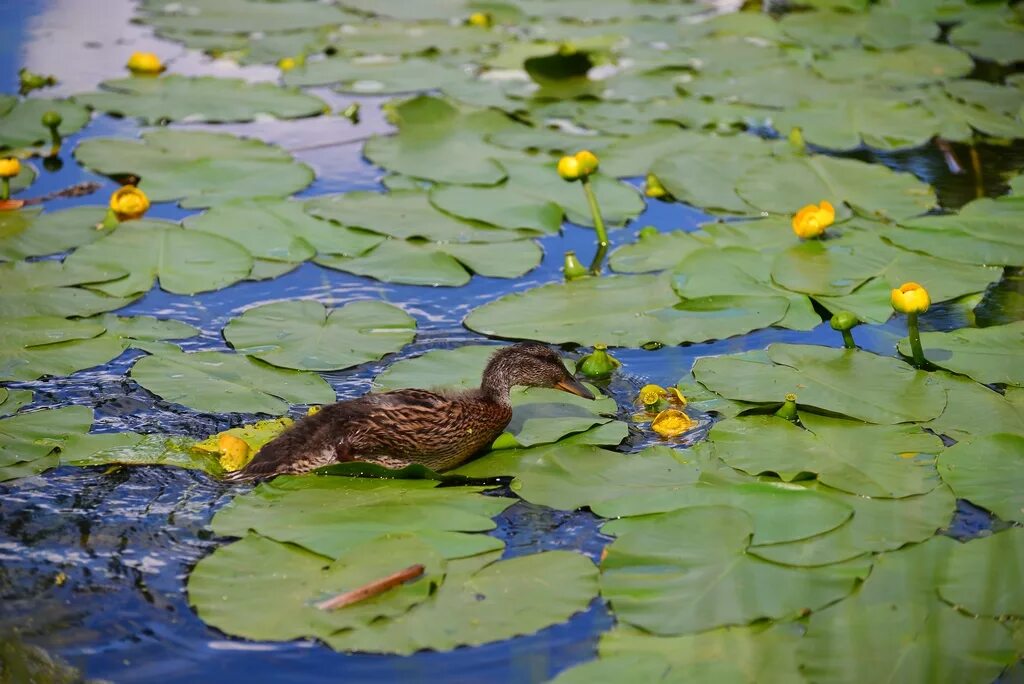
(650, 395)
(569, 168)
(812, 220)
(653, 187)
(287, 63)
(480, 20)
(144, 63)
(9, 167)
(910, 298)
(129, 203)
(671, 423)
(234, 452)
(588, 162)
(676, 397)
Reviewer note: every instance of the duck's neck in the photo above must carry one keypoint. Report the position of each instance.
(495, 388)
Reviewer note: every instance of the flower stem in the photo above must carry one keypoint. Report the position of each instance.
(915, 340)
(602, 234)
(848, 340)
(5, 188)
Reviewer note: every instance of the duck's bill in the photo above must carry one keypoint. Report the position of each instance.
(573, 386)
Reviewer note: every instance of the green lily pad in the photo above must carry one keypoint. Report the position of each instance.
(778, 85)
(989, 355)
(217, 382)
(990, 96)
(45, 345)
(50, 288)
(28, 439)
(879, 28)
(961, 121)
(28, 233)
(654, 252)
(20, 120)
(984, 232)
(880, 122)
(834, 267)
(332, 515)
(241, 16)
(498, 207)
(916, 64)
(870, 460)
(988, 472)
(910, 634)
(996, 560)
(688, 571)
(134, 449)
(634, 310)
(238, 589)
(864, 386)
(439, 264)
(704, 179)
(184, 261)
(374, 77)
(784, 186)
(877, 525)
(279, 230)
(413, 38)
(198, 168)
(206, 99)
(482, 601)
(973, 410)
(432, 132)
(11, 400)
(999, 39)
(306, 335)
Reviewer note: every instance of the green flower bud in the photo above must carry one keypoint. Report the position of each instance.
(788, 409)
(52, 119)
(647, 232)
(598, 364)
(572, 268)
(844, 320)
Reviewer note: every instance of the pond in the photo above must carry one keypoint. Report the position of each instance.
(454, 214)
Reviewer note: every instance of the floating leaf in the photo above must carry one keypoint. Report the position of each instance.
(881, 122)
(49, 288)
(198, 168)
(216, 382)
(879, 28)
(28, 233)
(332, 515)
(984, 232)
(999, 39)
(375, 77)
(12, 400)
(28, 439)
(996, 560)
(988, 472)
(134, 449)
(654, 252)
(498, 207)
(184, 261)
(207, 99)
(832, 267)
(411, 38)
(916, 64)
(306, 335)
(688, 571)
(872, 388)
(44, 345)
(871, 460)
(989, 355)
(973, 410)
(20, 120)
(241, 16)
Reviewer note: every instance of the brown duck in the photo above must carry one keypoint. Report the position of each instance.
(440, 430)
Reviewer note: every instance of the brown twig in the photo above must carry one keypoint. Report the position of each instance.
(79, 190)
(372, 589)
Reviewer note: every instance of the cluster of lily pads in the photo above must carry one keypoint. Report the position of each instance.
(798, 541)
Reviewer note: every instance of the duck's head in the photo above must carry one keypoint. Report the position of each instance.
(529, 364)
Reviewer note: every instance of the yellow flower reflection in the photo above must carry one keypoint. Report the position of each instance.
(812, 220)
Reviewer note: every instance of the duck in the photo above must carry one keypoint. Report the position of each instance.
(438, 429)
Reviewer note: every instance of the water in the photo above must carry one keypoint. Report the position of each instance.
(93, 562)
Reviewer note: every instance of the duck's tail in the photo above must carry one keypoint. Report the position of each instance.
(303, 447)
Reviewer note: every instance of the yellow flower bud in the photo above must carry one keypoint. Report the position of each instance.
(812, 220)
(588, 162)
(569, 169)
(654, 188)
(286, 63)
(671, 422)
(650, 395)
(234, 452)
(145, 63)
(480, 19)
(129, 203)
(9, 167)
(910, 298)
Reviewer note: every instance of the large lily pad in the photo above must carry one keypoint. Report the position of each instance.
(217, 382)
(988, 471)
(982, 233)
(198, 168)
(374, 76)
(654, 252)
(871, 460)
(28, 440)
(20, 124)
(51, 288)
(872, 388)
(833, 268)
(989, 355)
(241, 16)
(919, 63)
(633, 311)
(411, 38)
(983, 576)
(12, 400)
(332, 515)
(44, 345)
(184, 261)
(179, 98)
(689, 571)
(306, 335)
(973, 409)
(991, 37)
(28, 233)
(134, 449)
(279, 230)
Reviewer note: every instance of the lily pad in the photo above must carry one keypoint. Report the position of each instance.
(917, 64)
(973, 410)
(982, 233)
(134, 449)
(29, 233)
(832, 268)
(332, 515)
(45, 345)
(439, 264)
(689, 571)
(238, 589)
(28, 439)
(184, 261)
(864, 386)
(989, 355)
(654, 252)
(216, 382)
(306, 335)
(11, 400)
(413, 38)
(989, 472)
(999, 39)
(881, 122)
(198, 168)
(50, 288)
(633, 311)
(870, 460)
(195, 99)
(996, 561)
(498, 207)
(20, 124)
(279, 230)
(375, 77)
(241, 16)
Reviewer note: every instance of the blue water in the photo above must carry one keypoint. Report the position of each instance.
(127, 539)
